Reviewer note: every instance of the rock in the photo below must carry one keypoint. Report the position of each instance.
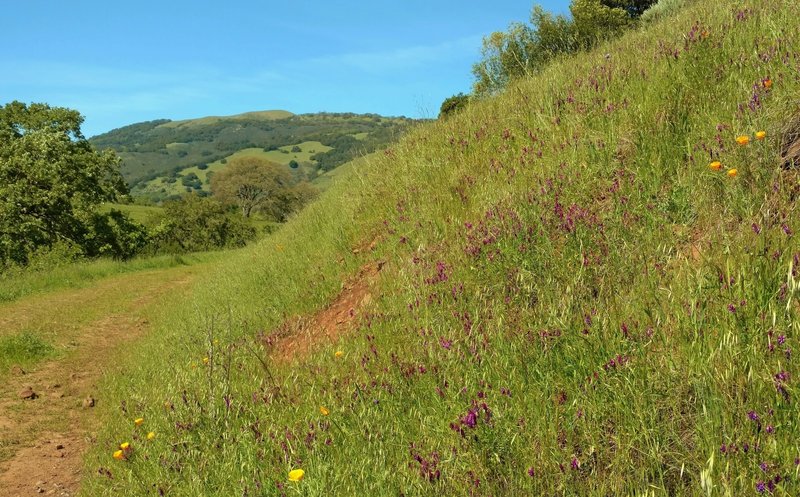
(59, 446)
(27, 393)
(88, 402)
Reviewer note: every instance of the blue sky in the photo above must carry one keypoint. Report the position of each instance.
(125, 62)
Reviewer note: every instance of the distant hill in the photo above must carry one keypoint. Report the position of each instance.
(164, 158)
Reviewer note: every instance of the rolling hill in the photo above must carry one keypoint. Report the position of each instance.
(164, 158)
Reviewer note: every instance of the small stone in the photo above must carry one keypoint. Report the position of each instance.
(88, 402)
(27, 393)
(59, 446)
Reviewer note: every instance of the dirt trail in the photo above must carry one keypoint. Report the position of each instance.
(42, 440)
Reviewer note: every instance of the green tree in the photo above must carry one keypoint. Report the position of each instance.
(453, 104)
(51, 180)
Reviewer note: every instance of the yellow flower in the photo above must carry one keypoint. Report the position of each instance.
(339, 353)
(119, 455)
(151, 435)
(205, 360)
(732, 173)
(296, 474)
(760, 135)
(716, 165)
(125, 446)
(324, 411)
(767, 83)
(138, 421)
(743, 140)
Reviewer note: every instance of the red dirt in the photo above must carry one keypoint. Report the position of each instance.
(297, 336)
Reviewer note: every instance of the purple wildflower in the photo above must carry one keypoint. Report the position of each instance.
(761, 487)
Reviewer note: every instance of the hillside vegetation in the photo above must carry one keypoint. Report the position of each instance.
(164, 158)
(548, 293)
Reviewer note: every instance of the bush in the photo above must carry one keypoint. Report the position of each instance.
(195, 223)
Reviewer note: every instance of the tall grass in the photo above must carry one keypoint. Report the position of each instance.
(573, 302)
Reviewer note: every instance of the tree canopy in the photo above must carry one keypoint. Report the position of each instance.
(51, 180)
(255, 184)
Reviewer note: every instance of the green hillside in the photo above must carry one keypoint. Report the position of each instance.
(549, 293)
(157, 155)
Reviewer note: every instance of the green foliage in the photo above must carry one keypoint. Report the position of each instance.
(453, 104)
(22, 349)
(51, 180)
(525, 49)
(194, 223)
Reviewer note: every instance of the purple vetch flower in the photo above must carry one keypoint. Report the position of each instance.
(781, 339)
(764, 466)
(531, 472)
(732, 308)
(575, 464)
(445, 343)
(770, 429)
(756, 229)
(470, 420)
(753, 416)
(723, 449)
(761, 487)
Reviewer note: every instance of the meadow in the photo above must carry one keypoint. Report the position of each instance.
(587, 285)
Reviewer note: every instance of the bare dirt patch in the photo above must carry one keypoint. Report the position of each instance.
(297, 336)
(42, 439)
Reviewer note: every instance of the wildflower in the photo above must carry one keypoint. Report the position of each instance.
(206, 360)
(743, 140)
(732, 173)
(339, 353)
(761, 487)
(760, 135)
(151, 435)
(752, 415)
(767, 83)
(119, 455)
(324, 411)
(715, 166)
(296, 474)
(125, 446)
(138, 421)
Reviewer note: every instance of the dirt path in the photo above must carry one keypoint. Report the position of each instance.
(42, 440)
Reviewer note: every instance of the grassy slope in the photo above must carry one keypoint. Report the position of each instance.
(573, 303)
